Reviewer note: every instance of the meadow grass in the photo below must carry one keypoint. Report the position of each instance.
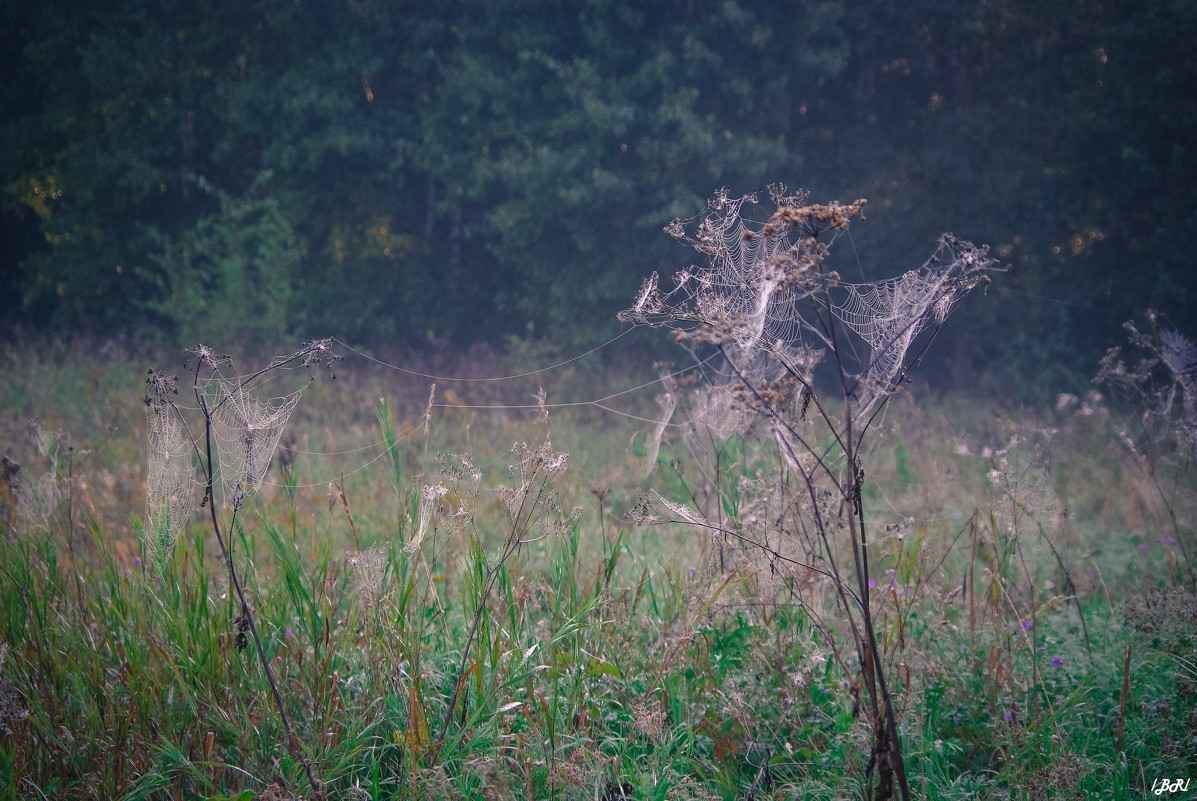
(598, 658)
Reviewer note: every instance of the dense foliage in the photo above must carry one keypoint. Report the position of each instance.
(395, 171)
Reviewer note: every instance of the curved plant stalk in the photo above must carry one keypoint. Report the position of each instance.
(163, 390)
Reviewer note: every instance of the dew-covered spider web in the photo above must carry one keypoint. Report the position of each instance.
(889, 315)
(243, 424)
(247, 430)
(745, 297)
(1166, 375)
(765, 296)
(171, 487)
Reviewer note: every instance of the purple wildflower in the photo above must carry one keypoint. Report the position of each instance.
(1026, 625)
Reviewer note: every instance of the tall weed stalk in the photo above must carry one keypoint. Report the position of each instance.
(534, 515)
(1162, 389)
(238, 430)
(790, 350)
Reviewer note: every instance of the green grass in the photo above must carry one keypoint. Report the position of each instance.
(608, 659)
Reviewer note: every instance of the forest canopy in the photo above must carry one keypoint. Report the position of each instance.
(390, 173)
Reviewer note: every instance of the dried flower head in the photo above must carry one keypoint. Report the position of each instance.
(648, 719)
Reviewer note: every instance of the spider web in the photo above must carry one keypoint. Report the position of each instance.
(758, 293)
(170, 494)
(1179, 354)
(1154, 382)
(889, 315)
(748, 290)
(246, 430)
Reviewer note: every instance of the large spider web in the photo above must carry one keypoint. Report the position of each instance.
(246, 430)
(171, 486)
(889, 315)
(759, 293)
(748, 292)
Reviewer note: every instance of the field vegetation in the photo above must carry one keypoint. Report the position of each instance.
(446, 615)
(850, 527)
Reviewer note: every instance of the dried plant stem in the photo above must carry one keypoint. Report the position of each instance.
(523, 519)
(357, 540)
(974, 526)
(1069, 585)
(1122, 701)
(878, 687)
(1037, 683)
(767, 302)
(427, 427)
(247, 475)
(887, 743)
(246, 613)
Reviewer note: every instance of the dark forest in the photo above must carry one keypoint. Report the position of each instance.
(401, 175)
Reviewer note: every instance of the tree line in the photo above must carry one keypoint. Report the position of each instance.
(394, 172)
